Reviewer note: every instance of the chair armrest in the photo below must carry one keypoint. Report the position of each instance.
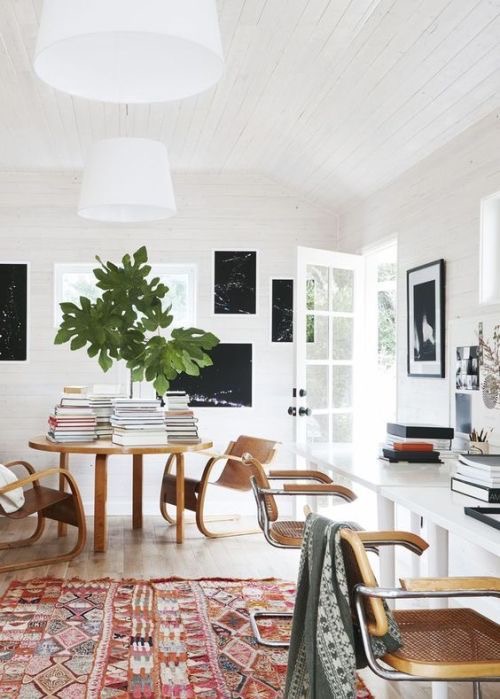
(400, 593)
(33, 478)
(478, 584)
(408, 540)
(293, 474)
(321, 489)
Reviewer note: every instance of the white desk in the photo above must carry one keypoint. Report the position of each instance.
(361, 465)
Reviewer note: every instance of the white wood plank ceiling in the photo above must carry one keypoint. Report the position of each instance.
(332, 97)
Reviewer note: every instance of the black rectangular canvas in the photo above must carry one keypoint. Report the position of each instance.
(426, 320)
(463, 413)
(226, 384)
(235, 282)
(282, 310)
(13, 312)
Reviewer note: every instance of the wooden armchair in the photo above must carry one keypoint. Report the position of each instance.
(46, 503)
(234, 476)
(455, 645)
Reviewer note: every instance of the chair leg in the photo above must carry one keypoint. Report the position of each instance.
(477, 690)
(26, 542)
(75, 551)
(254, 616)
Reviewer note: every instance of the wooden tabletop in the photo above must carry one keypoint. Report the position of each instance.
(105, 446)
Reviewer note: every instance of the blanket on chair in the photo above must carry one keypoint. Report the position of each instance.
(322, 656)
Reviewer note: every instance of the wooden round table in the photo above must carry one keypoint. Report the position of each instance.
(101, 449)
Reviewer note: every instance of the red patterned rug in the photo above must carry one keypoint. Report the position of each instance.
(182, 639)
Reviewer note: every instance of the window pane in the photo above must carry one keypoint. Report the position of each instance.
(343, 339)
(317, 386)
(387, 328)
(317, 288)
(317, 337)
(342, 387)
(317, 428)
(342, 427)
(386, 271)
(343, 290)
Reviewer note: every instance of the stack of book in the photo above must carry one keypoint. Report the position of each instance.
(180, 420)
(72, 419)
(416, 443)
(101, 402)
(137, 422)
(478, 475)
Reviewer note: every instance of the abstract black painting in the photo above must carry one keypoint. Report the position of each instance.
(235, 282)
(226, 384)
(13, 312)
(282, 310)
(426, 319)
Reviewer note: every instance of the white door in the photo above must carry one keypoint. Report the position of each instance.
(329, 326)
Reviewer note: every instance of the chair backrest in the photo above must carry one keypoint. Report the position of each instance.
(359, 571)
(235, 474)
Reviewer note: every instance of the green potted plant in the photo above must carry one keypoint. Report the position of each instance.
(131, 322)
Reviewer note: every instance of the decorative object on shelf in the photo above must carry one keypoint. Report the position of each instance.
(478, 441)
(225, 384)
(281, 310)
(14, 315)
(127, 180)
(127, 322)
(467, 369)
(426, 320)
(489, 359)
(122, 51)
(235, 282)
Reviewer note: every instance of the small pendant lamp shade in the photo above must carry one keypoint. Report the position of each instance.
(127, 180)
(129, 51)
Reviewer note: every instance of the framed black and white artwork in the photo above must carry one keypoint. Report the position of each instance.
(467, 368)
(281, 310)
(13, 311)
(226, 384)
(235, 282)
(426, 320)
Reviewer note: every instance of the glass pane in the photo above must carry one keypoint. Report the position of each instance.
(317, 344)
(387, 328)
(343, 290)
(342, 427)
(386, 271)
(317, 428)
(343, 340)
(342, 387)
(317, 387)
(317, 288)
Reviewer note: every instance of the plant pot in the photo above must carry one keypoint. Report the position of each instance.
(479, 447)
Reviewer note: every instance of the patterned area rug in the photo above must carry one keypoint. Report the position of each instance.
(184, 639)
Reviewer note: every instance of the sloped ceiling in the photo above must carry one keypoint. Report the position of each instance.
(334, 98)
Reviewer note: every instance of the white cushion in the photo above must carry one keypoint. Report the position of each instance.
(14, 499)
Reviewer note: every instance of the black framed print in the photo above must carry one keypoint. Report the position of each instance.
(228, 383)
(426, 319)
(13, 311)
(235, 282)
(281, 310)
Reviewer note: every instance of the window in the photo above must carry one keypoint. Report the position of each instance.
(74, 280)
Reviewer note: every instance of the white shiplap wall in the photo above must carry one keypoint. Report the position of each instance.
(38, 224)
(434, 212)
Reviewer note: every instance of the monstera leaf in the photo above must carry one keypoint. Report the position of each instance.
(120, 325)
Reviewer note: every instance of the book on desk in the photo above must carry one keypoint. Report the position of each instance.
(478, 475)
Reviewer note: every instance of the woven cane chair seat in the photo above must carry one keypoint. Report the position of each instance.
(451, 640)
(288, 532)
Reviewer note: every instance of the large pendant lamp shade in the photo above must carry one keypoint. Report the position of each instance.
(129, 51)
(127, 180)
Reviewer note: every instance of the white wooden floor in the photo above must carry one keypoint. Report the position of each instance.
(153, 552)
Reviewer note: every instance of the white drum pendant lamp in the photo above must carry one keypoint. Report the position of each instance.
(129, 51)
(127, 180)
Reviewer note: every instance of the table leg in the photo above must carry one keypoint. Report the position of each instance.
(438, 568)
(415, 521)
(179, 496)
(137, 491)
(100, 497)
(386, 522)
(62, 529)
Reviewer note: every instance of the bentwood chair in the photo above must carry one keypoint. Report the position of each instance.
(235, 476)
(438, 645)
(45, 503)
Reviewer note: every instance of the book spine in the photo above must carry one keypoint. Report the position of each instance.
(491, 495)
